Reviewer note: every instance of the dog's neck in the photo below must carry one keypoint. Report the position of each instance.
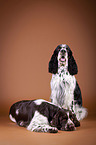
(62, 69)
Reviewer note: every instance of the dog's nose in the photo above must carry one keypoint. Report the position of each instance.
(71, 127)
(77, 123)
(62, 56)
(63, 51)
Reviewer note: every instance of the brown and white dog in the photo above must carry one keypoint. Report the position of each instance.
(42, 116)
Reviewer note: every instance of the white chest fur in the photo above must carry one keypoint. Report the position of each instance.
(62, 89)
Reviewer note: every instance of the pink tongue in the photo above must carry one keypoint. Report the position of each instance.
(62, 59)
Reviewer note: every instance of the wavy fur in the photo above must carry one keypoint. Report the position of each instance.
(65, 91)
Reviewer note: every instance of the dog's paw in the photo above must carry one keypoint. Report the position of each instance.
(53, 130)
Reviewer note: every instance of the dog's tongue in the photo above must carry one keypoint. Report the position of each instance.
(62, 59)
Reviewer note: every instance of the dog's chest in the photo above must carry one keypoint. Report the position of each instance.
(67, 81)
(64, 83)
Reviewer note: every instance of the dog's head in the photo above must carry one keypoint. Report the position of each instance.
(65, 120)
(62, 57)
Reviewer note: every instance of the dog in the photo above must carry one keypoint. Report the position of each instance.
(65, 91)
(42, 116)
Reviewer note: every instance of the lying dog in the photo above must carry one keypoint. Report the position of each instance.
(42, 116)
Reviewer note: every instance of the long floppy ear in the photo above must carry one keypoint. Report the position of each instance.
(53, 63)
(72, 66)
(55, 120)
(75, 121)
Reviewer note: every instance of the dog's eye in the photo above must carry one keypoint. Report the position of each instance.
(64, 119)
(72, 119)
(59, 49)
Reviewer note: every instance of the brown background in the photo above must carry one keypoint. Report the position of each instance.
(29, 33)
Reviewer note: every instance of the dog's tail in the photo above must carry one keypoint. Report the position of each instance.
(81, 112)
(11, 113)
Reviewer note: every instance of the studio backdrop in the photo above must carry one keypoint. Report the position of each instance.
(29, 33)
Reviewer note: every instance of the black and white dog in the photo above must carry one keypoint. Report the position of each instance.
(42, 116)
(65, 91)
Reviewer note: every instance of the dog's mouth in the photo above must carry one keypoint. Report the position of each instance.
(63, 59)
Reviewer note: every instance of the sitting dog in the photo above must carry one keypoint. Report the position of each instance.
(65, 91)
(42, 116)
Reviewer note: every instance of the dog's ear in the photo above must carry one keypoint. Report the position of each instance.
(54, 121)
(72, 66)
(74, 119)
(57, 119)
(53, 63)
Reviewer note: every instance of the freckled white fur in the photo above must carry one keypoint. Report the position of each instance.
(39, 123)
(62, 93)
(63, 86)
(12, 119)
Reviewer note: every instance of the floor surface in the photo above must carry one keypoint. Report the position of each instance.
(11, 134)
